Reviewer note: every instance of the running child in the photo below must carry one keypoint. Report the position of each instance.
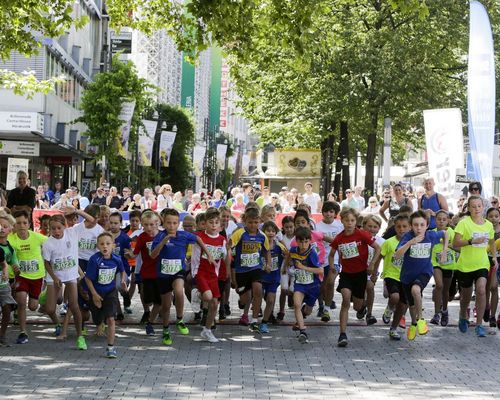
(473, 236)
(133, 230)
(206, 273)
(227, 227)
(286, 285)
(415, 248)
(251, 255)
(492, 215)
(87, 236)
(169, 248)
(8, 259)
(329, 226)
(100, 277)
(308, 274)
(30, 270)
(352, 244)
(443, 273)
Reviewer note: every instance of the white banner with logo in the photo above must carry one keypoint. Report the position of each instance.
(221, 156)
(126, 117)
(14, 165)
(198, 159)
(231, 161)
(145, 143)
(166, 144)
(481, 96)
(445, 149)
(245, 164)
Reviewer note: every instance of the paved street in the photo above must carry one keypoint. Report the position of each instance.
(444, 364)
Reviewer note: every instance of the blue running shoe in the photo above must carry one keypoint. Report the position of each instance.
(58, 330)
(111, 352)
(22, 338)
(264, 328)
(463, 325)
(149, 329)
(480, 331)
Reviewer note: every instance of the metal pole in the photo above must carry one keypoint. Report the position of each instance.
(386, 179)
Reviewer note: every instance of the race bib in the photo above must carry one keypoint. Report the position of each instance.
(216, 252)
(106, 276)
(171, 267)
(450, 257)
(480, 235)
(250, 260)
(371, 252)
(87, 244)
(274, 264)
(28, 266)
(303, 277)
(349, 250)
(60, 264)
(420, 250)
(397, 262)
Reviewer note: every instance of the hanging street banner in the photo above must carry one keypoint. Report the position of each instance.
(221, 156)
(126, 116)
(445, 149)
(14, 165)
(198, 158)
(245, 164)
(145, 143)
(166, 144)
(481, 96)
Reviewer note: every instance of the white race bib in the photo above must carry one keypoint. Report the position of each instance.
(28, 266)
(480, 235)
(420, 250)
(61, 264)
(171, 267)
(274, 264)
(450, 259)
(397, 262)
(106, 276)
(303, 277)
(349, 250)
(250, 260)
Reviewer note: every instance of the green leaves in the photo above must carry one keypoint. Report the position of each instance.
(27, 84)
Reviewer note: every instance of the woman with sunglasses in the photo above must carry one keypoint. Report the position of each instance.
(394, 203)
(475, 189)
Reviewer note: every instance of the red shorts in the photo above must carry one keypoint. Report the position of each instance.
(206, 282)
(31, 286)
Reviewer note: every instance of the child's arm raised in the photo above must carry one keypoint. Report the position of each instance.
(72, 210)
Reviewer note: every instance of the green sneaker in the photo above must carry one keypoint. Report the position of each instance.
(182, 328)
(80, 343)
(167, 338)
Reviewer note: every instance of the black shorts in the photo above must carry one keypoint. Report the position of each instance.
(222, 287)
(405, 295)
(392, 285)
(166, 285)
(83, 264)
(447, 273)
(150, 291)
(108, 307)
(355, 282)
(244, 280)
(466, 279)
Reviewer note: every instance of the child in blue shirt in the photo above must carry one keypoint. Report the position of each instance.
(308, 276)
(415, 248)
(170, 247)
(100, 278)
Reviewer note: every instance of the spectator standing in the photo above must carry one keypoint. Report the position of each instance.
(164, 197)
(358, 190)
(126, 198)
(188, 198)
(349, 201)
(114, 200)
(22, 197)
(312, 199)
(57, 192)
(431, 202)
(100, 198)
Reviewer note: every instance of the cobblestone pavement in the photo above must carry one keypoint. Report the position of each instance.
(442, 364)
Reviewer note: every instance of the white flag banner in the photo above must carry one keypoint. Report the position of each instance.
(126, 117)
(481, 96)
(198, 159)
(166, 144)
(145, 143)
(445, 149)
(245, 164)
(14, 165)
(221, 156)
(231, 161)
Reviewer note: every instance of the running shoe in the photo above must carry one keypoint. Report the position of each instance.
(272, 319)
(480, 331)
(3, 342)
(111, 352)
(333, 306)
(422, 327)
(244, 320)
(182, 328)
(394, 335)
(167, 337)
(444, 318)
(411, 333)
(325, 317)
(493, 322)
(361, 313)
(386, 317)
(264, 328)
(321, 309)
(63, 310)
(463, 325)
(150, 331)
(254, 327)
(58, 330)
(280, 316)
(222, 316)
(371, 320)
(80, 343)
(342, 342)
(22, 338)
(227, 309)
(303, 339)
(197, 316)
(435, 319)
(208, 336)
(85, 332)
(402, 322)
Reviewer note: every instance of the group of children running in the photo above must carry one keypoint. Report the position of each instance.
(89, 265)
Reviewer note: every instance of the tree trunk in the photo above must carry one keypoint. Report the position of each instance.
(370, 158)
(344, 139)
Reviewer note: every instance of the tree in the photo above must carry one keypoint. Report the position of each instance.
(101, 104)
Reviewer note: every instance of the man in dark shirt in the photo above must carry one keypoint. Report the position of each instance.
(100, 199)
(22, 197)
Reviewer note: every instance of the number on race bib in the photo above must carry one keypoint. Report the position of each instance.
(61, 264)
(274, 265)
(450, 258)
(349, 250)
(170, 267)
(397, 262)
(28, 266)
(476, 235)
(250, 260)
(106, 276)
(303, 277)
(420, 250)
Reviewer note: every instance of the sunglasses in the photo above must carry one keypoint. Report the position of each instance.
(474, 188)
(494, 202)
(347, 192)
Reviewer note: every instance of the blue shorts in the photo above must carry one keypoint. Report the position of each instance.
(269, 287)
(311, 292)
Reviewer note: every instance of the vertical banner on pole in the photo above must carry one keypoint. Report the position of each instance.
(481, 96)
(198, 158)
(166, 144)
(145, 143)
(221, 156)
(445, 150)
(386, 180)
(126, 117)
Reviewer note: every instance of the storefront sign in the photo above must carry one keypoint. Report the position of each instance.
(11, 148)
(121, 42)
(21, 122)
(62, 160)
(14, 165)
